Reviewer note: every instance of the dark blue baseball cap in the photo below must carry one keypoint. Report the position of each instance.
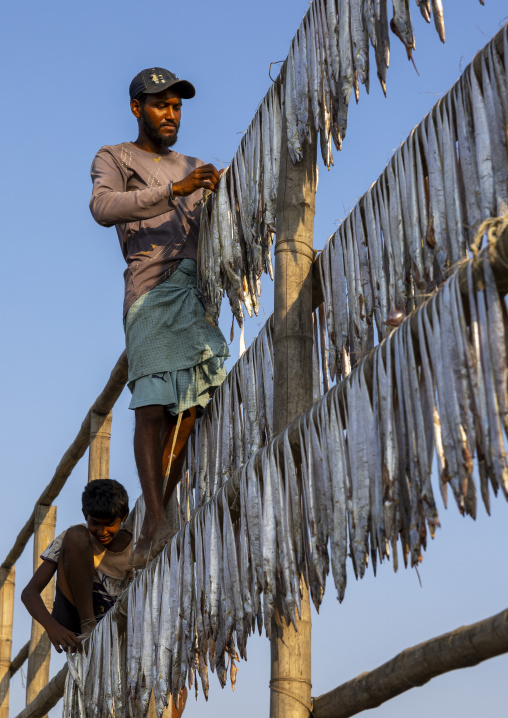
(157, 79)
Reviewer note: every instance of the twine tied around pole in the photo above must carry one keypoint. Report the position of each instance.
(288, 693)
(493, 227)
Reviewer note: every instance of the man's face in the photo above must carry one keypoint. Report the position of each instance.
(104, 530)
(159, 117)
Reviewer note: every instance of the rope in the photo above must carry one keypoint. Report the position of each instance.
(291, 680)
(493, 227)
(292, 695)
(168, 470)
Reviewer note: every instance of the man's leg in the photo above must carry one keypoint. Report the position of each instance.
(76, 579)
(148, 454)
(153, 429)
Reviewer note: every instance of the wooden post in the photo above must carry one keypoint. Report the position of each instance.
(100, 439)
(6, 616)
(39, 652)
(290, 682)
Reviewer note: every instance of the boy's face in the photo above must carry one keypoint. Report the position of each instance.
(104, 530)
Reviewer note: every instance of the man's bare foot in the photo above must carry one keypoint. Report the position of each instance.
(147, 547)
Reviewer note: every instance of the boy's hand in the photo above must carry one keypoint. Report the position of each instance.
(205, 177)
(63, 639)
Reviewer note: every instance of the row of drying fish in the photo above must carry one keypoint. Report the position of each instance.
(419, 218)
(239, 419)
(349, 478)
(238, 222)
(328, 57)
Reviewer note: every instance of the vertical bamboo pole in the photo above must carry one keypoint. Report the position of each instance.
(290, 682)
(100, 440)
(7, 576)
(39, 652)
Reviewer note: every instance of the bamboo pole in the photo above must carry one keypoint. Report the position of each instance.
(39, 652)
(6, 617)
(18, 661)
(102, 405)
(48, 697)
(100, 440)
(290, 683)
(464, 647)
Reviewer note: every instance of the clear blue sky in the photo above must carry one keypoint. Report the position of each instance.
(66, 68)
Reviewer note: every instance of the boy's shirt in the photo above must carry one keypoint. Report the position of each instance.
(112, 570)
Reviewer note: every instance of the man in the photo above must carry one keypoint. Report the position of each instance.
(154, 195)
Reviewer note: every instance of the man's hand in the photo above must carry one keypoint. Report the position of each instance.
(205, 177)
(62, 638)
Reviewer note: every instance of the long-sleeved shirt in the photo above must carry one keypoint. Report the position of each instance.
(131, 191)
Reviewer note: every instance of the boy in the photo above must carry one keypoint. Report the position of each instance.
(92, 565)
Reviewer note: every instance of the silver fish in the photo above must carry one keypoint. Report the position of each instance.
(436, 194)
(437, 9)
(339, 296)
(293, 136)
(483, 148)
(326, 285)
(496, 129)
(360, 43)
(269, 545)
(497, 453)
(425, 10)
(313, 69)
(302, 86)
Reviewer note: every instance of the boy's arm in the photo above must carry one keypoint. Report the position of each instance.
(60, 637)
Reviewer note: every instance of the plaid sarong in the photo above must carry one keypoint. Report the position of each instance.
(169, 343)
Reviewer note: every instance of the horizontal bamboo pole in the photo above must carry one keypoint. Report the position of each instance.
(18, 661)
(48, 697)
(464, 647)
(102, 405)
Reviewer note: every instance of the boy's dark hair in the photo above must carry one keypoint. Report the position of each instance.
(105, 499)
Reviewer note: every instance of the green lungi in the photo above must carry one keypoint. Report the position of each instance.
(175, 358)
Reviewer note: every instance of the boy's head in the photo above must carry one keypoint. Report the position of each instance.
(105, 505)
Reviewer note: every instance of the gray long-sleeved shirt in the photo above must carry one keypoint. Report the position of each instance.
(131, 191)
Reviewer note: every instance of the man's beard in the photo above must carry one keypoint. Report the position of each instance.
(154, 134)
